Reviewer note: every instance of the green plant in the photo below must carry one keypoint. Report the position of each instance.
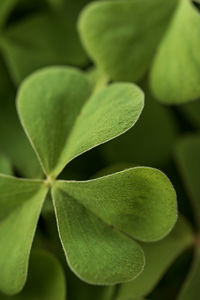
(93, 216)
(83, 157)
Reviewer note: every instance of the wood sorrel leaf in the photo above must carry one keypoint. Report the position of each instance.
(46, 280)
(20, 202)
(95, 251)
(175, 75)
(5, 165)
(159, 256)
(188, 159)
(121, 36)
(191, 287)
(140, 201)
(59, 122)
(97, 218)
(49, 102)
(47, 38)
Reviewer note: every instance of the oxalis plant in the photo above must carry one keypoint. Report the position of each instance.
(100, 221)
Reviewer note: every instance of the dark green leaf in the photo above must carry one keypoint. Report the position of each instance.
(188, 159)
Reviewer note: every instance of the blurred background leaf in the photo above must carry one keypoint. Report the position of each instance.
(46, 280)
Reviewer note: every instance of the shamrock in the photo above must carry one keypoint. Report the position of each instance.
(98, 220)
(126, 37)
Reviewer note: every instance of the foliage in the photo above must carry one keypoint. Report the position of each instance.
(86, 139)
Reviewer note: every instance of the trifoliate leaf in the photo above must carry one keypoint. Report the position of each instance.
(47, 38)
(46, 280)
(60, 123)
(175, 76)
(159, 256)
(122, 36)
(140, 201)
(95, 250)
(188, 159)
(20, 202)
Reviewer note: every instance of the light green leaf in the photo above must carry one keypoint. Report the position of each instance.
(47, 38)
(191, 287)
(95, 251)
(5, 9)
(188, 159)
(5, 165)
(175, 76)
(46, 280)
(159, 256)
(55, 99)
(20, 202)
(140, 201)
(49, 102)
(13, 139)
(122, 36)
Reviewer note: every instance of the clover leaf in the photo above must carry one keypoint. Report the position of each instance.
(134, 26)
(126, 38)
(97, 219)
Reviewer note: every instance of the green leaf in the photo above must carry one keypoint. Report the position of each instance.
(47, 38)
(13, 139)
(62, 125)
(5, 9)
(140, 201)
(5, 165)
(46, 280)
(188, 160)
(96, 252)
(122, 36)
(175, 76)
(191, 287)
(20, 202)
(159, 256)
(149, 142)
